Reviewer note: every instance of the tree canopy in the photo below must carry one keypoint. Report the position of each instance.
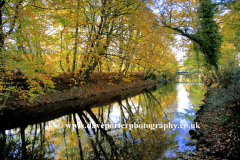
(42, 39)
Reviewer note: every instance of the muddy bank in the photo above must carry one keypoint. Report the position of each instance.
(219, 119)
(25, 113)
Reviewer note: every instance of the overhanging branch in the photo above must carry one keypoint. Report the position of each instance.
(190, 36)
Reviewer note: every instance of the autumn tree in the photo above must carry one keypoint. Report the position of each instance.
(44, 39)
(207, 35)
(230, 31)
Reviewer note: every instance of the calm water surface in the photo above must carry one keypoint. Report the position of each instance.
(128, 129)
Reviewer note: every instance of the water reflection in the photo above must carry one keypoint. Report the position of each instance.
(183, 115)
(188, 78)
(74, 136)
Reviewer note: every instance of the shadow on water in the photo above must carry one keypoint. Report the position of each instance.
(131, 128)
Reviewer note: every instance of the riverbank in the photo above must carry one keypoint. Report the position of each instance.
(219, 118)
(66, 88)
(59, 103)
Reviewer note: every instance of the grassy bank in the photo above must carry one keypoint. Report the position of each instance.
(219, 119)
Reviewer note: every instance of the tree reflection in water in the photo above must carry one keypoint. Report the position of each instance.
(56, 140)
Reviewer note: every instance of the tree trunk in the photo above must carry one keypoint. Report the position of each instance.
(218, 73)
(1, 37)
(75, 44)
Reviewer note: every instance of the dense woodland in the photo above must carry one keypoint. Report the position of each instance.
(44, 43)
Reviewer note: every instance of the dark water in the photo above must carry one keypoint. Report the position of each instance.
(146, 126)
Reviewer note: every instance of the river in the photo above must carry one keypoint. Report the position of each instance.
(150, 125)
